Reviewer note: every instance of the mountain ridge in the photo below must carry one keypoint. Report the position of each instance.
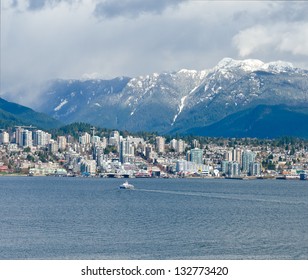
(180, 101)
(12, 114)
(262, 121)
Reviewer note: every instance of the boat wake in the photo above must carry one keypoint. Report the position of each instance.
(224, 196)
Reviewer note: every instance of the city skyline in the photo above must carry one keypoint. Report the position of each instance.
(36, 152)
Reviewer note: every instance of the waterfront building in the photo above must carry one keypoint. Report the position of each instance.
(184, 166)
(233, 169)
(181, 166)
(196, 156)
(224, 166)
(88, 166)
(247, 158)
(254, 169)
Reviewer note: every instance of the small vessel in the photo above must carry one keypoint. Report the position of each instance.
(291, 177)
(126, 186)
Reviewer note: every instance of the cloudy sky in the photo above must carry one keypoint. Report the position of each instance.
(47, 39)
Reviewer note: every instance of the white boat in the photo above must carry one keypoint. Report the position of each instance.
(126, 186)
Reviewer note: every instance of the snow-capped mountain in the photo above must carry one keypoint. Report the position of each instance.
(234, 86)
(141, 103)
(178, 101)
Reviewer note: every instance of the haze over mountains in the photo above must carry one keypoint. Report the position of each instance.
(235, 98)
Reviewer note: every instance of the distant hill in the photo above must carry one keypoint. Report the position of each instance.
(14, 114)
(262, 121)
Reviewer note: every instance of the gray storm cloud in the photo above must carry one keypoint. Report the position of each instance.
(48, 39)
(132, 8)
(106, 8)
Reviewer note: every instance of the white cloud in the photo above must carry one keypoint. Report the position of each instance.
(66, 39)
(295, 39)
(252, 39)
(280, 37)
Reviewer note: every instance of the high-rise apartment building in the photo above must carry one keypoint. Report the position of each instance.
(180, 147)
(255, 169)
(4, 138)
(173, 144)
(115, 139)
(237, 155)
(26, 138)
(196, 143)
(95, 139)
(224, 166)
(247, 158)
(233, 169)
(85, 139)
(40, 138)
(88, 166)
(228, 155)
(126, 150)
(18, 136)
(160, 144)
(196, 156)
(62, 142)
(53, 146)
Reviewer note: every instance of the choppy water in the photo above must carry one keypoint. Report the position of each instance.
(79, 218)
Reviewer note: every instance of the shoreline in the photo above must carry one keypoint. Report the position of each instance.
(188, 177)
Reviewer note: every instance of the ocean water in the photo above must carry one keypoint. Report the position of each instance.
(90, 218)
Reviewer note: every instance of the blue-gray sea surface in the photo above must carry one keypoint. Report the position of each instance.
(90, 218)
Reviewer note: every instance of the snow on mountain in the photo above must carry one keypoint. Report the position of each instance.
(177, 101)
(236, 85)
(63, 102)
(278, 66)
(251, 65)
(181, 106)
(247, 65)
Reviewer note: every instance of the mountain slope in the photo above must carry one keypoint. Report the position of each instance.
(142, 103)
(177, 102)
(14, 114)
(263, 121)
(233, 86)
